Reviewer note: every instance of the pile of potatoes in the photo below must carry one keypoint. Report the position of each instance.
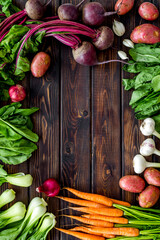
(148, 196)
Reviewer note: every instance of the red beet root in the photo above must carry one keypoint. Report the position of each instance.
(17, 93)
(50, 187)
(105, 39)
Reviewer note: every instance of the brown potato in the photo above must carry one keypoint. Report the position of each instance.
(40, 64)
(132, 183)
(152, 176)
(149, 196)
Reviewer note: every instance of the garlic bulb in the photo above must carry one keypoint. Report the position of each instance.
(122, 55)
(140, 164)
(148, 128)
(147, 148)
(128, 43)
(118, 28)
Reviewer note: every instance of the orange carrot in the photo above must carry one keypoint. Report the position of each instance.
(82, 236)
(123, 203)
(87, 230)
(123, 231)
(112, 212)
(85, 203)
(120, 220)
(94, 222)
(92, 197)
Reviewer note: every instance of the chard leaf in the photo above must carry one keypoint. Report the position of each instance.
(8, 8)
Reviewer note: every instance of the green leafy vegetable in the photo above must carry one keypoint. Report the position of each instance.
(8, 8)
(6, 197)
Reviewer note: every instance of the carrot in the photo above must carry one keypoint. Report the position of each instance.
(123, 203)
(85, 203)
(123, 231)
(120, 220)
(113, 212)
(87, 230)
(94, 222)
(79, 235)
(91, 196)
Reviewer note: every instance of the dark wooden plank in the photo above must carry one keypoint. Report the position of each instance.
(75, 126)
(106, 136)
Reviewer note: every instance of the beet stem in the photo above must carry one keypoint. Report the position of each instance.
(46, 4)
(115, 60)
(109, 13)
(79, 4)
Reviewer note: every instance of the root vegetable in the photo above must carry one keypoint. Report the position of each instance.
(106, 218)
(123, 6)
(40, 64)
(69, 12)
(105, 38)
(35, 10)
(132, 183)
(17, 93)
(152, 176)
(94, 14)
(146, 33)
(149, 196)
(148, 11)
(50, 187)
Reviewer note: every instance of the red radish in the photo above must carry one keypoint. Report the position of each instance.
(94, 14)
(149, 196)
(123, 6)
(50, 187)
(105, 38)
(69, 12)
(17, 93)
(86, 55)
(40, 64)
(146, 33)
(148, 11)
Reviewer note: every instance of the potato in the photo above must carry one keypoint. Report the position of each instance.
(40, 64)
(132, 183)
(152, 176)
(148, 11)
(123, 6)
(146, 33)
(149, 196)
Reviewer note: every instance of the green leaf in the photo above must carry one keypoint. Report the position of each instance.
(156, 83)
(8, 8)
(139, 94)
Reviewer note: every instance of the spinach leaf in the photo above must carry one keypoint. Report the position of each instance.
(139, 94)
(128, 83)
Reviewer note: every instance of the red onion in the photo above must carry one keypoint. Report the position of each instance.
(50, 187)
(17, 93)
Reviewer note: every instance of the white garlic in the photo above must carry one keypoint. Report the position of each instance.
(118, 28)
(122, 55)
(148, 128)
(128, 43)
(148, 147)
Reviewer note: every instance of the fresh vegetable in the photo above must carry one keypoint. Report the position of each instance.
(106, 218)
(123, 6)
(18, 179)
(128, 43)
(148, 148)
(17, 93)
(79, 235)
(118, 28)
(105, 39)
(152, 176)
(146, 33)
(95, 222)
(122, 55)
(149, 196)
(84, 203)
(16, 134)
(69, 11)
(112, 212)
(140, 164)
(148, 128)
(94, 14)
(50, 187)
(40, 64)
(148, 11)
(6, 197)
(35, 9)
(132, 183)
(88, 230)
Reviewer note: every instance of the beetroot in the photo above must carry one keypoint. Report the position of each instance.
(94, 14)
(105, 39)
(17, 93)
(35, 9)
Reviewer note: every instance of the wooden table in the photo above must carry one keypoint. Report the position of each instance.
(88, 132)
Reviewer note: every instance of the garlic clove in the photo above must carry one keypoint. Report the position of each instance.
(128, 43)
(118, 28)
(122, 55)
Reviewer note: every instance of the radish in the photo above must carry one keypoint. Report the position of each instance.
(94, 14)
(69, 12)
(17, 93)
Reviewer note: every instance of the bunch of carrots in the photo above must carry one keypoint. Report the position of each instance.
(100, 217)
